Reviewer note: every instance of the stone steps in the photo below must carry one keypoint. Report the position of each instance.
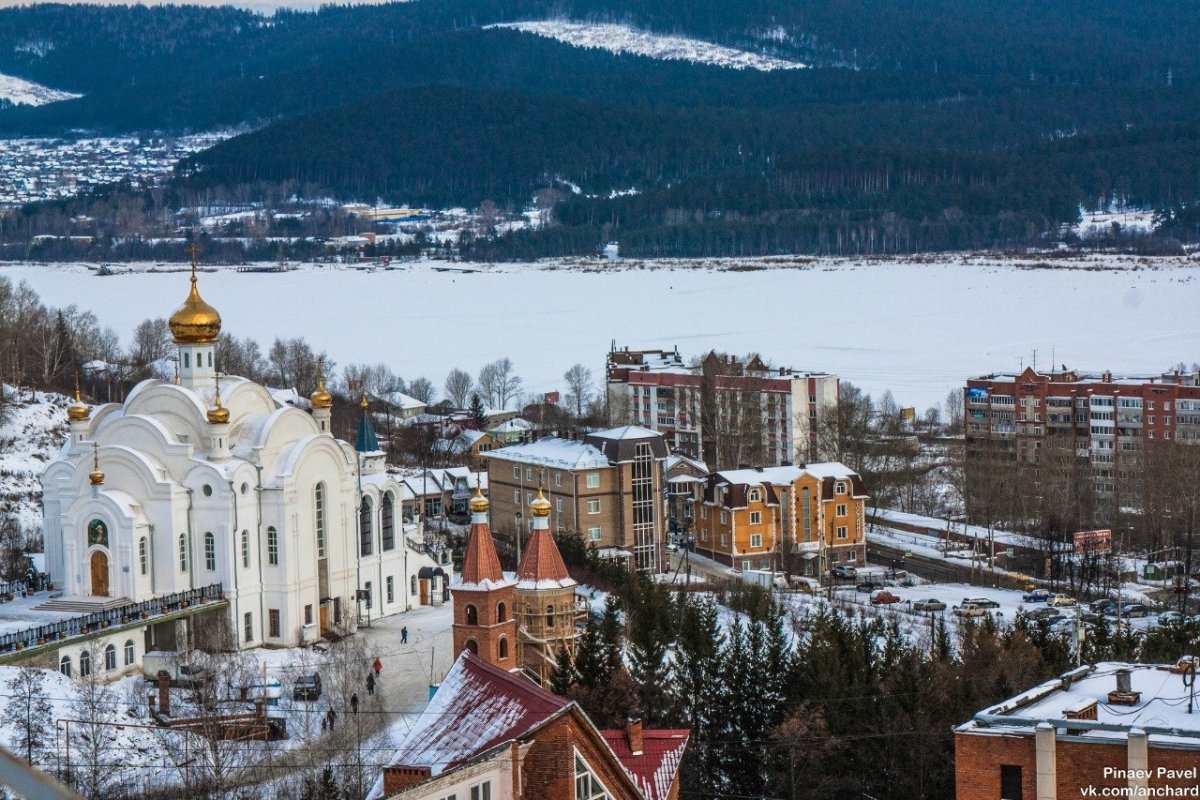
(83, 605)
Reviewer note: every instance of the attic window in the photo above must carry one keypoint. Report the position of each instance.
(841, 487)
(754, 496)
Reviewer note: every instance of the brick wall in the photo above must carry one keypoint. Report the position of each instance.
(487, 632)
(549, 772)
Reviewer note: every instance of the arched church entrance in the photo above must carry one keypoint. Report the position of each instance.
(99, 574)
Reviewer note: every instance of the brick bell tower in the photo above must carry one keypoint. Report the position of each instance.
(484, 620)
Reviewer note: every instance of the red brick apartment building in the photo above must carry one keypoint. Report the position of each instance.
(781, 406)
(1123, 729)
(1095, 420)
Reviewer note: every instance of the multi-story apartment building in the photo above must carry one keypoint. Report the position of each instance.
(724, 411)
(813, 515)
(609, 487)
(1070, 432)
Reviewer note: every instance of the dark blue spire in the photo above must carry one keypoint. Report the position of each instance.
(366, 441)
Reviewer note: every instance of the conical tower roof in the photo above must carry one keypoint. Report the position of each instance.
(481, 564)
(366, 441)
(542, 566)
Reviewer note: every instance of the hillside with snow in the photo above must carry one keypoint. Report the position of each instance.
(624, 39)
(33, 427)
(27, 93)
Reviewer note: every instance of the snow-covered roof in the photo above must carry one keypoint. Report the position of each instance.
(655, 768)
(401, 400)
(828, 469)
(626, 432)
(675, 459)
(553, 452)
(779, 476)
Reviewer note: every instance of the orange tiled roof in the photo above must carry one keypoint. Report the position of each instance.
(481, 562)
(541, 560)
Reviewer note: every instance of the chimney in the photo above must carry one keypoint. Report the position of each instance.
(633, 729)
(399, 777)
(1124, 695)
(164, 692)
(1124, 684)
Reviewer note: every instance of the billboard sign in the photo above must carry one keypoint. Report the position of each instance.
(1090, 543)
(977, 393)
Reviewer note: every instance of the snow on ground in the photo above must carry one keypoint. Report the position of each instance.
(31, 433)
(23, 92)
(1098, 223)
(918, 327)
(624, 39)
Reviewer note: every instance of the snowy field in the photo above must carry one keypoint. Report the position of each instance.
(918, 327)
(23, 92)
(624, 39)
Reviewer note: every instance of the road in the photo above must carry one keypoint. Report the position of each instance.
(935, 569)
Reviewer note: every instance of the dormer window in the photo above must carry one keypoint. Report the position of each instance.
(841, 487)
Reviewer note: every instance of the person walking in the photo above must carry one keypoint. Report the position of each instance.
(354, 702)
(404, 635)
(370, 684)
(377, 666)
(332, 717)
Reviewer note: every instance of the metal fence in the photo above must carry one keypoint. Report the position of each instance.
(100, 620)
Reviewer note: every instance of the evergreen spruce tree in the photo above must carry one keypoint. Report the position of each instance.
(478, 412)
(650, 635)
(563, 677)
(696, 685)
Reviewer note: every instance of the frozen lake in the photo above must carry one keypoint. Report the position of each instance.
(919, 328)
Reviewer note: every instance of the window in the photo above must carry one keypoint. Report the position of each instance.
(210, 551)
(110, 658)
(558, 479)
(724, 539)
(246, 549)
(248, 627)
(187, 360)
(272, 546)
(587, 786)
(593, 534)
(517, 498)
(413, 586)
(273, 622)
(593, 480)
(319, 518)
(390, 585)
(97, 533)
(472, 615)
(482, 791)
(724, 517)
(841, 509)
(550, 616)
(756, 540)
(516, 471)
(501, 612)
(841, 487)
(85, 664)
(370, 594)
(64, 666)
(129, 652)
(593, 506)
(841, 531)
(558, 504)
(364, 527)
(529, 473)
(183, 552)
(387, 524)
(1010, 782)
(308, 614)
(755, 496)
(503, 648)
(755, 517)
(144, 555)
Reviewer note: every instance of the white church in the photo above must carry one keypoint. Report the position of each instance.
(210, 480)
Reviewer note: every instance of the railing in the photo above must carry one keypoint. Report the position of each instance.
(99, 620)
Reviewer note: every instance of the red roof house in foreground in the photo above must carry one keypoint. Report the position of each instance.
(489, 734)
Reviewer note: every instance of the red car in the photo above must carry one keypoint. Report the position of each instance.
(883, 597)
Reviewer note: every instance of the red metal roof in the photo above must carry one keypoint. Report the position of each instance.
(481, 562)
(655, 769)
(541, 560)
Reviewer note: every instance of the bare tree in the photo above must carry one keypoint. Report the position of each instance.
(954, 412)
(92, 737)
(458, 387)
(151, 341)
(374, 379)
(294, 364)
(498, 383)
(27, 713)
(241, 357)
(422, 389)
(579, 387)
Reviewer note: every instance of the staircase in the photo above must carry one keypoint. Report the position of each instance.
(83, 604)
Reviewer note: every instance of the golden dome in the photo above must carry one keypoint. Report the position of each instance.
(540, 507)
(479, 504)
(218, 414)
(78, 411)
(96, 476)
(321, 398)
(196, 322)
(363, 404)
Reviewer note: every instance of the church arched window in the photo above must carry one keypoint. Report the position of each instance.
(474, 648)
(365, 531)
(187, 361)
(246, 549)
(210, 551)
(110, 658)
(550, 616)
(503, 648)
(97, 533)
(413, 582)
(388, 521)
(472, 615)
(64, 665)
(319, 518)
(183, 552)
(501, 612)
(85, 664)
(272, 546)
(144, 555)
(129, 652)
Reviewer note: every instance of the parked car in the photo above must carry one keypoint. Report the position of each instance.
(1036, 596)
(1134, 610)
(307, 687)
(1062, 600)
(883, 597)
(982, 602)
(1045, 612)
(970, 610)
(1170, 618)
(843, 571)
(929, 604)
(870, 586)
(1091, 618)
(1104, 605)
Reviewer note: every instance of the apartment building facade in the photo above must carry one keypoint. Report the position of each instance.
(724, 411)
(1087, 429)
(609, 487)
(812, 516)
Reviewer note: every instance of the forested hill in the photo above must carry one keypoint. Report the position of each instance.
(919, 125)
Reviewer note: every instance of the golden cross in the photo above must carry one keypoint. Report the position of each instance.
(193, 250)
